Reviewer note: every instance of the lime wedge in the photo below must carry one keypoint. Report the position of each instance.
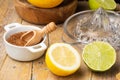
(99, 56)
(106, 4)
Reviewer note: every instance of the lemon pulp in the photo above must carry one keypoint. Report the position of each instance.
(62, 59)
(64, 56)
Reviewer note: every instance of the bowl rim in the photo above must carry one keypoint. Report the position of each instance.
(29, 26)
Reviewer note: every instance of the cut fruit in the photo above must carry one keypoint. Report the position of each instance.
(106, 4)
(45, 3)
(62, 59)
(99, 56)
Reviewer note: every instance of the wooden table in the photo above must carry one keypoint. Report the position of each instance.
(37, 70)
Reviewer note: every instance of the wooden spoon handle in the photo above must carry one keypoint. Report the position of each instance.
(49, 28)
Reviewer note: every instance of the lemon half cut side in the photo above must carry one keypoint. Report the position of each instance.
(45, 3)
(62, 59)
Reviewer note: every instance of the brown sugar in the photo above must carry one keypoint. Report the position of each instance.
(15, 39)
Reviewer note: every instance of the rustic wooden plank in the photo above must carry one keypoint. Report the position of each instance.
(83, 73)
(3, 9)
(39, 69)
(2, 49)
(56, 36)
(41, 72)
(1, 1)
(6, 17)
(14, 70)
(9, 68)
(10, 16)
(27, 23)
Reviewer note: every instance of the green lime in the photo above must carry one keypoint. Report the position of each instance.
(99, 56)
(106, 4)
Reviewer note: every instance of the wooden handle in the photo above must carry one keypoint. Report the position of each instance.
(49, 28)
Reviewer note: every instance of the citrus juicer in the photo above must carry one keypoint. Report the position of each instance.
(88, 26)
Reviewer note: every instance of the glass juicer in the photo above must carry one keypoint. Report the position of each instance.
(88, 26)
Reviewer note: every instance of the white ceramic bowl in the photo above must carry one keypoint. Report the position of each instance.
(22, 53)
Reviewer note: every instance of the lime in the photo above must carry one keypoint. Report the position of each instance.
(99, 56)
(62, 59)
(106, 4)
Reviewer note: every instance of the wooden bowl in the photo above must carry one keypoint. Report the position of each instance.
(37, 15)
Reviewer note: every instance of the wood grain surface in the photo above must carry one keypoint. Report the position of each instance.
(37, 70)
(43, 16)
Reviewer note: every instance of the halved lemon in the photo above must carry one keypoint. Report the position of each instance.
(45, 3)
(62, 59)
(99, 55)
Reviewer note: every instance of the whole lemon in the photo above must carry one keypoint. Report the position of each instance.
(45, 3)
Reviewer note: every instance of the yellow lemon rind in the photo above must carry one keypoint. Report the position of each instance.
(58, 69)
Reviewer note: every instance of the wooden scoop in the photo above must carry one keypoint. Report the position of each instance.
(35, 36)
